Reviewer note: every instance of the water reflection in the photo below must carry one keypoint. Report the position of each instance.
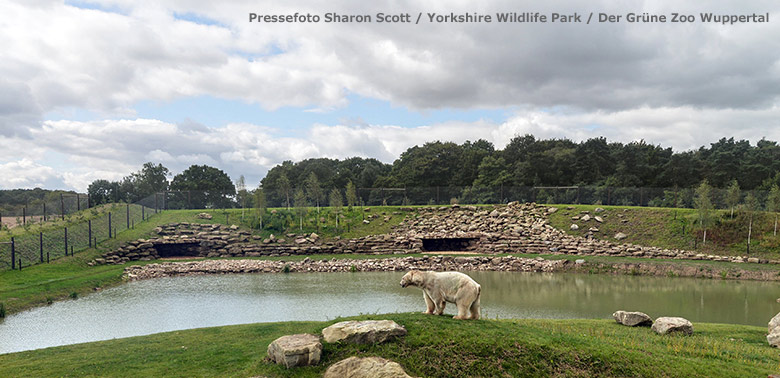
(152, 306)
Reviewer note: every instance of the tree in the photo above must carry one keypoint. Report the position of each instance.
(100, 192)
(242, 194)
(773, 203)
(351, 195)
(208, 187)
(149, 180)
(300, 205)
(703, 203)
(732, 196)
(259, 205)
(285, 188)
(335, 203)
(751, 205)
(313, 190)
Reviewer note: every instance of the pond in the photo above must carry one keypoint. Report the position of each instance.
(167, 304)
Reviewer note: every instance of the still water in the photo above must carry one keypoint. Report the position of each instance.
(167, 304)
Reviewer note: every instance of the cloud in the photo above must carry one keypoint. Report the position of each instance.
(112, 149)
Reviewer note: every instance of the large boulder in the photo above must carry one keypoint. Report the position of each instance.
(363, 332)
(774, 331)
(296, 350)
(368, 367)
(632, 318)
(666, 325)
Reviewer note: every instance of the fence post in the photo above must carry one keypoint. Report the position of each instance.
(128, 215)
(62, 206)
(89, 201)
(89, 224)
(155, 203)
(189, 200)
(109, 225)
(13, 254)
(44, 211)
(24, 215)
(78, 202)
(40, 241)
(66, 241)
(143, 213)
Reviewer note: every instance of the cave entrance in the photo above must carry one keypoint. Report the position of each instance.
(448, 244)
(178, 249)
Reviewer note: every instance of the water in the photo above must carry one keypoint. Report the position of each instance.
(167, 304)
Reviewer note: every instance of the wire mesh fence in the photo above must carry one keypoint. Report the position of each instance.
(72, 235)
(38, 211)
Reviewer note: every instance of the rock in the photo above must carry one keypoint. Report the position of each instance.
(296, 350)
(368, 367)
(204, 216)
(579, 261)
(593, 229)
(366, 221)
(363, 332)
(585, 218)
(551, 210)
(632, 318)
(620, 236)
(773, 338)
(314, 236)
(574, 227)
(752, 260)
(599, 219)
(773, 324)
(667, 325)
(598, 210)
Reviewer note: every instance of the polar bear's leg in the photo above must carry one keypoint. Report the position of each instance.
(428, 303)
(475, 309)
(463, 308)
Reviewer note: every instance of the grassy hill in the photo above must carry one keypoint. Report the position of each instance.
(675, 228)
(436, 346)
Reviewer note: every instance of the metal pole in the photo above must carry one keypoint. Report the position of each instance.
(143, 213)
(128, 215)
(89, 201)
(78, 202)
(40, 241)
(66, 241)
(44, 211)
(62, 206)
(89, 223)
(155, 203)
(13, 254)
(24, 215)
(109, 225)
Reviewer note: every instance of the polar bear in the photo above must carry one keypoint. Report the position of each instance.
(441, 287)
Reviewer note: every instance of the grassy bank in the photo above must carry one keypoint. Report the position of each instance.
(434, 347)
(675, 229)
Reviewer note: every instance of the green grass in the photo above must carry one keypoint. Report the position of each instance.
(55, 222)
(435, 347)
(675, 228)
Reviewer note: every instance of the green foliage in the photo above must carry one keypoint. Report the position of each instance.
(733, 194)
(351, 195)
(73, 295)
(286, 268)
(2, 310)
(703, 204)
(208, 187)
(313, 190)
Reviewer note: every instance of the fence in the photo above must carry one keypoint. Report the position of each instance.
(77, 233)
(41, 211)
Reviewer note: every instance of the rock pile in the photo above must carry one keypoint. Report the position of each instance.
(436, 263)
(514, 228)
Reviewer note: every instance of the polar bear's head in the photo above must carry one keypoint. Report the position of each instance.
(413, 277)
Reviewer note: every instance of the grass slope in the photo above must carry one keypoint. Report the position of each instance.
(675, 229)
(435, 347)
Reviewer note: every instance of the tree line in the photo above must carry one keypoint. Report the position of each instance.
(527, 161)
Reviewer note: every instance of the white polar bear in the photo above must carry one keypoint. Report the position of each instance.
(441, 287)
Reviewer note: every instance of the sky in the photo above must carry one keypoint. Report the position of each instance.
(93, 89)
